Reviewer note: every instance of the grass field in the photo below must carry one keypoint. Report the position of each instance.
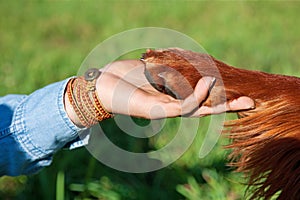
(46, 41)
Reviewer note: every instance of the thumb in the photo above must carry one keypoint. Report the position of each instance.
(192, 102)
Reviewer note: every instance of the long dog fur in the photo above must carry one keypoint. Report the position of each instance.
(266, 140)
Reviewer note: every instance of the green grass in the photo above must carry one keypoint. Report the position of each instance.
(46, 41)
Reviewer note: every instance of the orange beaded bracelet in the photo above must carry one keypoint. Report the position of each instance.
(83, 97)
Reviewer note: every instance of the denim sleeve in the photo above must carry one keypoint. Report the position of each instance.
(32, 128)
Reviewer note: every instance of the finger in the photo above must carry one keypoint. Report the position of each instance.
(241, 103)
(198, 96)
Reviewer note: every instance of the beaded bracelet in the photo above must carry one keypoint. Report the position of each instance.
(83, 97)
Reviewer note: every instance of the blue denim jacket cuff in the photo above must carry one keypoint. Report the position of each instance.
(46, 123)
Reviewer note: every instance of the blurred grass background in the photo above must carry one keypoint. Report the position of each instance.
(45, 41)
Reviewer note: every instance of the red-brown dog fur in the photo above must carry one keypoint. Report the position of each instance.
(265, 140)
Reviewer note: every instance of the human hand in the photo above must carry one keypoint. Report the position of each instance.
(124, 89)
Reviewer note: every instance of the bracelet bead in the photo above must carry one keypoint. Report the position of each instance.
(83, 97)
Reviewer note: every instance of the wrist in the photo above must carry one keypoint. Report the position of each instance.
(71, 112)
(82, 99)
